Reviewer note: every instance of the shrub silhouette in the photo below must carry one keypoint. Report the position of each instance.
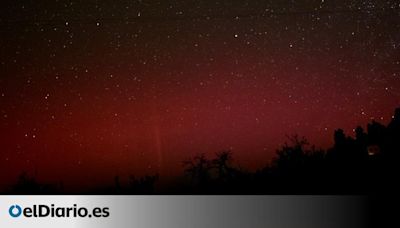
(29, 185)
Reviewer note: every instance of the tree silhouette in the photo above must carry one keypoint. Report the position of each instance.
(222, 164)
(198, 169)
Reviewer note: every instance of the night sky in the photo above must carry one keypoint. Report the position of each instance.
(93, 89)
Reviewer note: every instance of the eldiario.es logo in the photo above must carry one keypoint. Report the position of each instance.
(41, 211)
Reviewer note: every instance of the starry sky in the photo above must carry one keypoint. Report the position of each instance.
(93, 89)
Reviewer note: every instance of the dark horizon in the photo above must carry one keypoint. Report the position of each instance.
(363, 164)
